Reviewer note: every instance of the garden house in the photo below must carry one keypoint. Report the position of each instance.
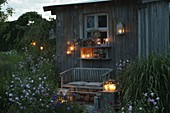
(99, 34)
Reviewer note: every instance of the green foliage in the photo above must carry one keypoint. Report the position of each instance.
(147, 75)
(31, 85)
(62, 104)
(8, 61)
(4, 14)
(29, 27)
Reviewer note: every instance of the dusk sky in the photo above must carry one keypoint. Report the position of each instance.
(22, 6)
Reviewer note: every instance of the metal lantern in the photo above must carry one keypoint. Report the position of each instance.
(120, 28)
(109, 86)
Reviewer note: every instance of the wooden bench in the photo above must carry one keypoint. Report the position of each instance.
(87, 78)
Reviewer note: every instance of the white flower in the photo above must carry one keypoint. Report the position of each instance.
(10, 95)
(32, 81)
(156, 107)
(157, 98)
(52, 101)
(140, 108)
(13, 75)
(40, 99)
(28, 85)
(16, 98)
(21, 96)
(122, 108)
(45, 78)
(47, 106)
(12, 81)
(130, 108)
(40, 78)
(152, 94)
(145, 94)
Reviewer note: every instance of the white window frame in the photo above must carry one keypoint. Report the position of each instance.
(102, 29)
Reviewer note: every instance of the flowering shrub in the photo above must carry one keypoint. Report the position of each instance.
(31, 87)
(148, 104)
(29, 94)
(122, 64)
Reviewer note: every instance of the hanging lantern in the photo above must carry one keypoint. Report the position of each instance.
(109, 86)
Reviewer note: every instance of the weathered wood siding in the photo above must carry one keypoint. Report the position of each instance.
(70, 25)
(153, 33)
(146, 30)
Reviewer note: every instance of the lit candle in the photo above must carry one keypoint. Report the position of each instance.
(107, 41)
(83, 56)
(98, 43)
(71, 48)
(88, 56)
(120, 31)
(68, 52)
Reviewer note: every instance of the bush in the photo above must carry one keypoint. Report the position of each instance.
(146, 76)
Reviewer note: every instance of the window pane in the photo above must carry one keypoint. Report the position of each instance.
(90, 21)
(103, 34)
(102, 21)
(88, 34)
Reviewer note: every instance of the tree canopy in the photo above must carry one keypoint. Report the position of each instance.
(29, 27)
(5, 13)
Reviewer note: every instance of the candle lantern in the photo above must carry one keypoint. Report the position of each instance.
(109, 86)
(120, 28)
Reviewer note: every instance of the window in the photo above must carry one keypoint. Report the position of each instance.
(96, 22)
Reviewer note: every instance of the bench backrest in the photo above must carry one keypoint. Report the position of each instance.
(86, 74)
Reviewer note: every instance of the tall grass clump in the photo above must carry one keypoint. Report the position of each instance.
(146, 85)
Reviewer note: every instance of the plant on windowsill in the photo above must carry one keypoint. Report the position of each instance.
(101, 53)
(91, 40)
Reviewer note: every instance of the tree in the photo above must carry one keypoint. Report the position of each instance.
(4, 14)
(28, 28)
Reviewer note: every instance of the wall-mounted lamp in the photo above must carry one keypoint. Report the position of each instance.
(120, 29)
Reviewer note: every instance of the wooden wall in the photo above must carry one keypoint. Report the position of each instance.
(70, 25)
(140, 39)
(153, 28)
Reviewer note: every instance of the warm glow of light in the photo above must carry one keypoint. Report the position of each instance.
(88, 56)
(68, 42)
(68, 52)
(106, 39)
(109, 86)
(72, 48)
(33, 43)
(83, 56)
(98, 43)
(41, 48)
(120, 31)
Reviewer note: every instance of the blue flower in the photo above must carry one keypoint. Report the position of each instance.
(68, 108)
